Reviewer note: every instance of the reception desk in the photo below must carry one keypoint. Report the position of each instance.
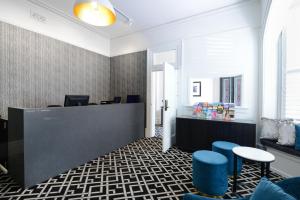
(3, 142)
(194, 134)
(43, 143)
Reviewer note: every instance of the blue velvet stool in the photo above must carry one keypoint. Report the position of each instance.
(225, 148)
(210, 172)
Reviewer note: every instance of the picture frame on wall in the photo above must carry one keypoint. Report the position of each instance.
(196, 89)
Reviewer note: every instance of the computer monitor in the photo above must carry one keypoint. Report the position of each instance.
(133, 99)
(117, 100)
(76, 100)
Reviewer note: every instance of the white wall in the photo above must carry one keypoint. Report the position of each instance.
(265, 6)
(210, 90)
(239, 16)
(292, 40)
(274, 25)
(240, 23)
(285, 164)
(225, 54)
(17, 12)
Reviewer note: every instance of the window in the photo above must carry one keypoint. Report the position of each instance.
(231, 90)
(292, 95)
(226, 90)
(290, 105)
(238, 90)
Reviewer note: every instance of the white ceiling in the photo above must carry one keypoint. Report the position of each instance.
(145, 14)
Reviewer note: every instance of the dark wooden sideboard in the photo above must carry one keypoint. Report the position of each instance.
(194, 134)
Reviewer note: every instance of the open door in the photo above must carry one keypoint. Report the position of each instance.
(170, 106)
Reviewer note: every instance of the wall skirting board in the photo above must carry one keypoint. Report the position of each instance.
(37, 71)
(285, 164)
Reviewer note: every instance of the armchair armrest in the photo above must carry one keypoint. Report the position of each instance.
(291, 186)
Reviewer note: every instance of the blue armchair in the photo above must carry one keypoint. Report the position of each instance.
(197, 197)
(290, 186)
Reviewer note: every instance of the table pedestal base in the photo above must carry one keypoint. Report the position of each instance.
(264, 171)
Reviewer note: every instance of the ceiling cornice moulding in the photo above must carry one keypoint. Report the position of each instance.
(191, 18)
(67, 17)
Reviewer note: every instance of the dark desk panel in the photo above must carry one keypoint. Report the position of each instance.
(3, 142)
(46, 142)
(194, 134)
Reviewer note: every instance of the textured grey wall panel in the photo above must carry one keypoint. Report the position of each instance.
(128, 75)
(36, 70)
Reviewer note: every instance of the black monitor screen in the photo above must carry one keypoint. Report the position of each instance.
(76, 100)
(133, 99)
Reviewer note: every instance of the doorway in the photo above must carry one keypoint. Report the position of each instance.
(157, 102)
(162, 65)
(163, 104)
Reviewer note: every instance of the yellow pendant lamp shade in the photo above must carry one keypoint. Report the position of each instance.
(95, 12)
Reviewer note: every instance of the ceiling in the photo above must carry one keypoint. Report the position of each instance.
(145, 14)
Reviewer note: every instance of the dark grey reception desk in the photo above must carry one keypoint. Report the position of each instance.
(46, 142)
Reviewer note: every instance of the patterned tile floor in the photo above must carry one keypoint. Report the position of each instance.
(137, 171)
(159, 131)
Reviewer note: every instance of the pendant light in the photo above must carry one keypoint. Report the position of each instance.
(95, 12)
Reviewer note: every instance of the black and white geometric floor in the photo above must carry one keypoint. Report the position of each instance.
(137, 171)
(159, 131)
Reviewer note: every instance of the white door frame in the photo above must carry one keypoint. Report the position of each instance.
(177, 45)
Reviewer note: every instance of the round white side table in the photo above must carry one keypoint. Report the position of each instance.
(253, 154)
